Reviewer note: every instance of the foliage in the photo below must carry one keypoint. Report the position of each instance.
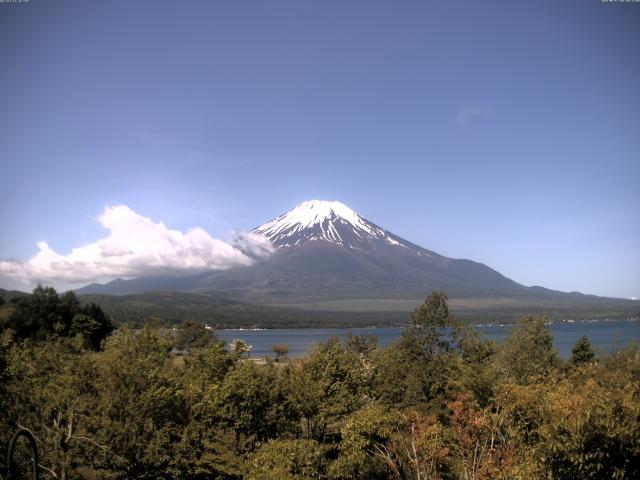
(364, 432)
(206, 448)
(45, 313)
(582, 352)
(477, 373)
(332, 383)
(251, 402)
(50, 391)
(139, 406)
(478, 446)
(528, 350)
(288, 460)
(586, 425)
(417, 368)
(194, 335)
(440, 403)
(388, 443)
(361, 344)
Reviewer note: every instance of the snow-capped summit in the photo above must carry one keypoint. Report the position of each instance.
(319, 220)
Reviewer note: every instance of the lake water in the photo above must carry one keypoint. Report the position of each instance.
(605, 336)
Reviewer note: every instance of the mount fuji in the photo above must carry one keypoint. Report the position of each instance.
(327, 250)
(328, 256)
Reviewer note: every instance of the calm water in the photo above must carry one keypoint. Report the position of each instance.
(604, 335)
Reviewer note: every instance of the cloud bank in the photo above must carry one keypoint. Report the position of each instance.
(137, 246)
(469, 112)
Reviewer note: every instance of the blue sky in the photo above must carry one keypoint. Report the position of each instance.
(505, 132)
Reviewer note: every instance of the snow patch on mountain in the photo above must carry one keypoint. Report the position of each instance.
(323, 220)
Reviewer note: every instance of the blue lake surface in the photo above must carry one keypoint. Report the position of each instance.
(605, 336)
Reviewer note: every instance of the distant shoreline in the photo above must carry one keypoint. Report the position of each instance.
(478, 325)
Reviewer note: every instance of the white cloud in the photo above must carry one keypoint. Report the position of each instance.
(469, 112)
(136, 246)
(253, 245)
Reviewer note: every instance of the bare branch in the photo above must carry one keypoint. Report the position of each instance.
(51, 472)
(104, 447)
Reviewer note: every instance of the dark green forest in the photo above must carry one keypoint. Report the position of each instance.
(439, 403)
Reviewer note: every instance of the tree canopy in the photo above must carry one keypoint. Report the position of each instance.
(439, 403)
(45, 313)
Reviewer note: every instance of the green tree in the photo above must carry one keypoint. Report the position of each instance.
(100, 328)
(332, 383)
(418, 366)
(84, 326)
(207, 448)
(288, 460)
(528, 350)
(382, 443)
(475, 349)
(50, 387)
(582, 352)
(6, 403)
(141, 409)
(583, 425)
(476, 372)
(38, 315)
(194, 335)
(45, 313)
(68, 305)
(431, 317)
(365, 434)
(361, 344)
(206, 368)
(590, 431)
(254, 403)
(399, 377)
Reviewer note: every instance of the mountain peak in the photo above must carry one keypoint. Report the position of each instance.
(323, 220)
(314, 212)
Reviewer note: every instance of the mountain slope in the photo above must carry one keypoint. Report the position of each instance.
(326, 252)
